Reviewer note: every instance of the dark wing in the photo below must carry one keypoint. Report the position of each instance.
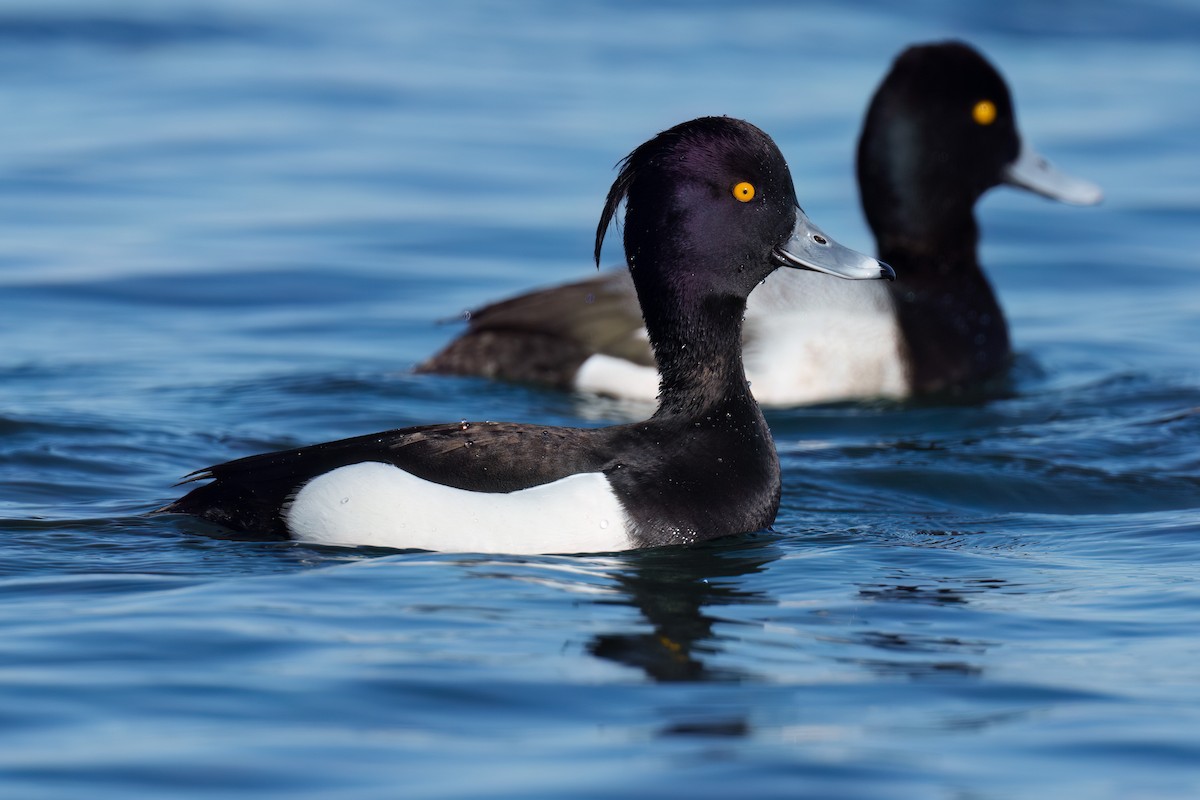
(250, 494)
(544, 336)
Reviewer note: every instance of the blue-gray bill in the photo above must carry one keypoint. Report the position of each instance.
(1034, 172)
(811, 248)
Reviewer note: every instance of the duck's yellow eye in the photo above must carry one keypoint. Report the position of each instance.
(984, 112)
(744, 192)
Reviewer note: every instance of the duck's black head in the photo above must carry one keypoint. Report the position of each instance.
(711, 211)
(940, 131)
(706, 203)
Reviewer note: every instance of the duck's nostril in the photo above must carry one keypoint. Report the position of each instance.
(819, 239)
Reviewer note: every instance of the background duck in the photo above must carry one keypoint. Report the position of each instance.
(940, 131)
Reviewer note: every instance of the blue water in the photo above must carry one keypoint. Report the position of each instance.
(227, 227)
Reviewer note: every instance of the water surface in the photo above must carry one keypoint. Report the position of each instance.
(227, 227)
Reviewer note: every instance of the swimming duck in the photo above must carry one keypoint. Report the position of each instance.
(940, 131)
(710, 212)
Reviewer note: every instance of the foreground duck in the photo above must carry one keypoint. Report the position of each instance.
(710, 212)
(939, 132)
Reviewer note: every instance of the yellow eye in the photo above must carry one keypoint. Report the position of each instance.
(984, 112)
(744, 192)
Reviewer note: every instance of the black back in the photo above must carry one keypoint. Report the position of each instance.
(544, 337)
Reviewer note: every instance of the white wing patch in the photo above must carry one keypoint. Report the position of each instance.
(380, 505)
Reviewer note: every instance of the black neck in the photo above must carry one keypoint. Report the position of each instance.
(952, 323)
(699, 354)
(919, 220)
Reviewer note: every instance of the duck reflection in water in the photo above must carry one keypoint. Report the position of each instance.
(676, 591)
(679, 595)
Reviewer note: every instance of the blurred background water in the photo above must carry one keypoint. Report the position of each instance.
(228, 226)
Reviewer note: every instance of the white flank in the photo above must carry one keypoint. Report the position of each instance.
(616, 377)
(382, 506)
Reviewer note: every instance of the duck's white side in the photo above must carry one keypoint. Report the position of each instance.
(379, 505)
